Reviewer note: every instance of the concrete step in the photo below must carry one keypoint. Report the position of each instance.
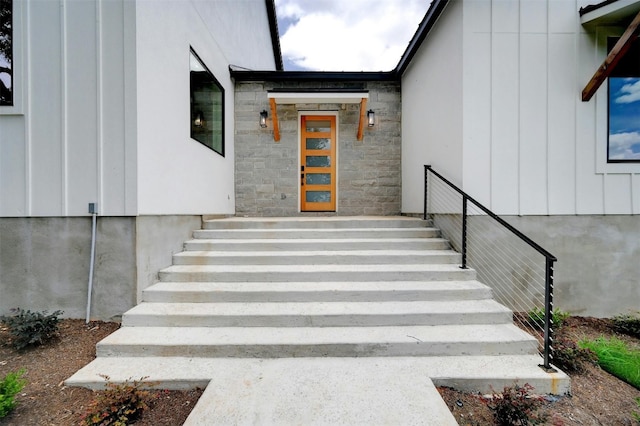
(335, 257)
(316, 314)
(357, 291)
(335, 222)
(327, 393)
(314, 244)
(463, 372)
(317, 233)
(296, 342)
(278, 273)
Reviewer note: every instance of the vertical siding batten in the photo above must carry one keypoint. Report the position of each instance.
(64, 109)
(635, 193)
(519, 114)
(27, 120)
(99, 112)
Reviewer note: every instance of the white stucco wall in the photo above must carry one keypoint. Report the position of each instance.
(528, 144)
(71, 141)
(178, 175)
(432, 109)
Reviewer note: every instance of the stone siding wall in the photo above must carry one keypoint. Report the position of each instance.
(267, 172)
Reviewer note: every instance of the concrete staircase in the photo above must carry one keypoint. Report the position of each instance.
(380, 296)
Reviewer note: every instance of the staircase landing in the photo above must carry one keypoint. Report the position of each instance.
(319, 321)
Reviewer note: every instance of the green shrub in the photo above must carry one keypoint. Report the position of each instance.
(31, 328)
(627, 324)
(9, 388)
(636, 415)
(118, 405)
(516, 406)
(615, 357)
(536, 317)
(571, 358)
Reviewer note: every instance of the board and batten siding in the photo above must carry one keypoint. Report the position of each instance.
(528, 144)
(104, 106)
(72, 141)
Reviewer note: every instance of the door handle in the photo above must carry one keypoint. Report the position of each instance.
(301, 179)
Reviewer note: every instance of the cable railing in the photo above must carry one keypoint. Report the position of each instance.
(518, 270)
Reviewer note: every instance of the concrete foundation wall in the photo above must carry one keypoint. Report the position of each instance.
(44, 265)
(267, 172)
(597, 273)
(157, 239)
(44, 262)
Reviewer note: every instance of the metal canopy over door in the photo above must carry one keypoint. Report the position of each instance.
(318, 163)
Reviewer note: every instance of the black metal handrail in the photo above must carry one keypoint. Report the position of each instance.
(549, 258)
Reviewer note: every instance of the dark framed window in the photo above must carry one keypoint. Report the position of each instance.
(623, 143)
(207, 106)
(6, 52)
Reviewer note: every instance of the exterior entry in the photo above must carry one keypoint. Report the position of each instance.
(318, 163)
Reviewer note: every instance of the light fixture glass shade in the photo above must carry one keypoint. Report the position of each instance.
(199, 120)
(371, 118)
(263, 119)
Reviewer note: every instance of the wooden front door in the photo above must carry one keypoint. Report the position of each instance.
(318, 163)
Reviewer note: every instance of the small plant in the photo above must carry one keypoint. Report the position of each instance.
(118, 405)
(615, 357)
(627, 324)
(571, 358)
(636, 415)
(516, 406)
(9, 388)
(31, 328)
(536, 317)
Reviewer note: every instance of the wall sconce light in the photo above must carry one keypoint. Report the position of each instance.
(371, 118)
(263, 118)
(198, 121)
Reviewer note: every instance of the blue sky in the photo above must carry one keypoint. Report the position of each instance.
(624, 126)
(346, 35)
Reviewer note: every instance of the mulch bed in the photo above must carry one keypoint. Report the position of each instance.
(597, 398)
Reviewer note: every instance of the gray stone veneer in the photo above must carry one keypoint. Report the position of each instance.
(267, 172)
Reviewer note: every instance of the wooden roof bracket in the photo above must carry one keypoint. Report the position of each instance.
(317, 97)
(609, 64)
(274, 119)
(363, 108)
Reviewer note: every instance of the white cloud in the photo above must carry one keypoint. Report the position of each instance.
(631, 93)
(348, 35)
(624, 146)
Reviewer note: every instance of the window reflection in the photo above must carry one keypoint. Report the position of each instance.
(6, 53)
(624, 107)
(207, 106)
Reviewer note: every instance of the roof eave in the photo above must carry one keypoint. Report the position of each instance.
(429, 20)
(275, 37)
(249, 75)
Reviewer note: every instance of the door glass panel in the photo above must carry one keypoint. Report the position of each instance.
(318, 178)
(318, 143)
(318, 161)
(318, 196)
(318, 126)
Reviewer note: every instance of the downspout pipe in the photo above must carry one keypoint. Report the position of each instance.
(94, 220)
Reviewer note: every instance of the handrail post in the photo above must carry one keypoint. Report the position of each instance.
(426, 189)
(548, 313)
(464, 232)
